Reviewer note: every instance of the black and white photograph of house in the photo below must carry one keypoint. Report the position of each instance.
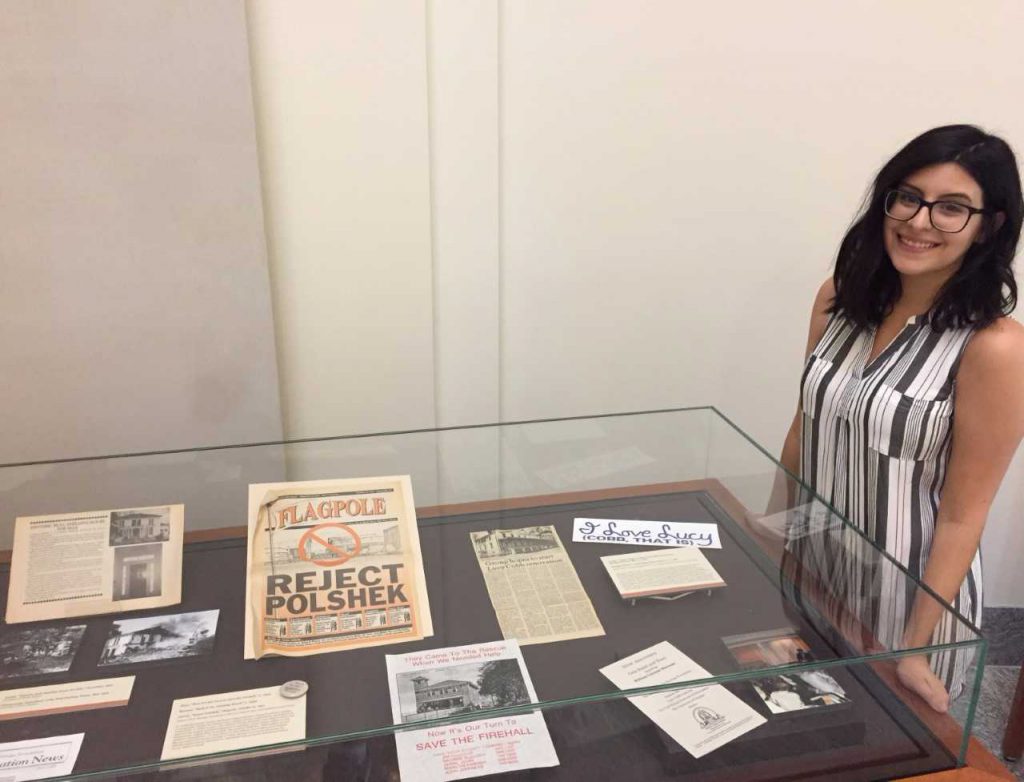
(137, 571)
(460, 689)
(38, 650)
(503, 542)
(128, 527)
(170, 637)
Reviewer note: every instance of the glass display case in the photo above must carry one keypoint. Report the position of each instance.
(797, 577)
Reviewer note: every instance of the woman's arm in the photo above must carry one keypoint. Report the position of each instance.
(988, 425)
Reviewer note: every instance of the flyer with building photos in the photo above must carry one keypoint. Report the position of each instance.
(333, 565)
(445, 683)
(96, 562)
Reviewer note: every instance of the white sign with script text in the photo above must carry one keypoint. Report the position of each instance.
(645, 533)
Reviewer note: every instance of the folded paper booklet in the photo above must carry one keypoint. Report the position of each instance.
(701, 719)
(96, 562)
(670, 572)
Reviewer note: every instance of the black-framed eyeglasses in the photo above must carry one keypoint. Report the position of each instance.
(950, 217)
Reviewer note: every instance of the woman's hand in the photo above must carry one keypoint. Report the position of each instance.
(916, 675)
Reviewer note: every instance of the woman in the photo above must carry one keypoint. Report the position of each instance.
(912, 397)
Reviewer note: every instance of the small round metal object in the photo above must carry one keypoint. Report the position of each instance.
(296, 688)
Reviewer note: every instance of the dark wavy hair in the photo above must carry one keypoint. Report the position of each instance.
(983, 288)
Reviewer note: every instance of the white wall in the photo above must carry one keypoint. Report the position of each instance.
(589, 206)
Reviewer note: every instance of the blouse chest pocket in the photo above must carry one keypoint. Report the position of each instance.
(906, 427)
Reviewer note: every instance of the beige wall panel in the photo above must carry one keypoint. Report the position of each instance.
(136, 310)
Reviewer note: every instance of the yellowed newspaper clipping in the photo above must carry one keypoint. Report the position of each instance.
(533, 586)
(95, 562)
(333, 565)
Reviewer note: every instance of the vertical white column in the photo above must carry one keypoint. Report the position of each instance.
(341, 106)
(463, 68)
(462, 50)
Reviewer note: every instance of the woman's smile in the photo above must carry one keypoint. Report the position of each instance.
(915, 245)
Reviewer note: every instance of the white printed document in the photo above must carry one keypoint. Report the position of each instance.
(95, 562)
(459, 680)
(700, 719)
(232, 721)
(39, 758)
(662, 572)
(63, 698)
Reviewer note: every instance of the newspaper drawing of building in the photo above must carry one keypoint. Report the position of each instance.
(502, 542)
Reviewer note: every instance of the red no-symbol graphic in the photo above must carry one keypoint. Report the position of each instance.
(320, 548)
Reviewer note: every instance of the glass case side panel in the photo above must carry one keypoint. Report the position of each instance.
(826, 720)
(972, 695)
(839, 724)
(834, 569)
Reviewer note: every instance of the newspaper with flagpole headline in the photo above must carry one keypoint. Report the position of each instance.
(333, 565)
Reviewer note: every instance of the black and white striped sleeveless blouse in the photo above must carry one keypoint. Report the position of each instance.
(875, 443)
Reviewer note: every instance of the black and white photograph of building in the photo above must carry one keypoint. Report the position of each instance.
(170, 637)
(38, 650)
(460, 689)
(128, 527)
(502, 542)
(137, 571)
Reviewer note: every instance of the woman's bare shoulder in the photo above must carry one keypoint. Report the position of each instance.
(823, 299)
(996, 353)
(819, 315)
(1002, 340)
(990, 394)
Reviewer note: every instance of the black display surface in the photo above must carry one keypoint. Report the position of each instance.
(875, 736)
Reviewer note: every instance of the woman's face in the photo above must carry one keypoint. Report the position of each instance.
(916, 248)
